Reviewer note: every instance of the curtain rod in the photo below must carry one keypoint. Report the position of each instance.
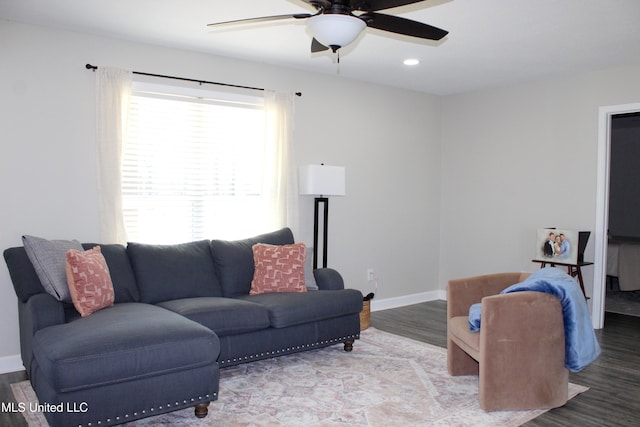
(94, 68)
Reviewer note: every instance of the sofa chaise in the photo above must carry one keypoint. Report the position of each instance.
(180, 313)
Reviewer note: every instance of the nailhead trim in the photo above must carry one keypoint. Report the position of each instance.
(144, 411)
(289, 349)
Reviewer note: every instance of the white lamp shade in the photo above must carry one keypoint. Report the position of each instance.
(336, 30)
(322, 180)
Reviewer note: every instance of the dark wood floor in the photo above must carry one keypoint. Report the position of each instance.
(10, 419)
(614, 379)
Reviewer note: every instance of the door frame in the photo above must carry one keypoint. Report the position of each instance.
(602, 207)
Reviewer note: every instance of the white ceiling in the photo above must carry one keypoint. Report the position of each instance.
(490, 42)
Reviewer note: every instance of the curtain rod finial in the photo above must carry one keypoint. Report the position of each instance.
(90, 67)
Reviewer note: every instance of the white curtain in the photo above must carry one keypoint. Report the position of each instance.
(280, 185)
(113, 92)
(280, 190)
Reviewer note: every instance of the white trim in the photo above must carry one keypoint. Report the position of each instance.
(602, 205)
(11, 364)
(405, 300)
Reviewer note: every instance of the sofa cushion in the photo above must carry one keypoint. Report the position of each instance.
(278, 268)
(120, 343)
(234, 260)
(122, 277)
(294, 308)
(89, 281)
(49, 260)
(224, 316)
(168, 272)
(26, 282)
(459, 332)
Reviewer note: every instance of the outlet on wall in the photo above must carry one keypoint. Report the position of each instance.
(371, 276)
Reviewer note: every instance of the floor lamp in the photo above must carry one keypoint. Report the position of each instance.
(321, 181)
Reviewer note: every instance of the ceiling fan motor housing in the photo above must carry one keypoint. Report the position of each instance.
(336, 30)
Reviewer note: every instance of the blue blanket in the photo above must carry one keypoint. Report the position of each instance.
(582, 347)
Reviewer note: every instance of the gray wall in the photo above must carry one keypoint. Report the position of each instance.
(519, 158)
(437, 187)
(388, 139)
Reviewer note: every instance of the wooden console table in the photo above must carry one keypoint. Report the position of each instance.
(572, 269)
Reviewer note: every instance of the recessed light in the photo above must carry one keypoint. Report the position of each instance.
(411, 62)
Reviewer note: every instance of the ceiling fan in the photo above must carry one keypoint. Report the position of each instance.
(335, 25)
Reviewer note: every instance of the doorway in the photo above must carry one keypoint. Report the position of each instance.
(602, 206)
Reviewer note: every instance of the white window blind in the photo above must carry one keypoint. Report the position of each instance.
(192, 165)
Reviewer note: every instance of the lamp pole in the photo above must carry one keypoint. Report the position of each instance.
(325, 223)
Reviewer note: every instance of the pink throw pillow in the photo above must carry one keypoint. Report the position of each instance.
(278, 268)
(89, 280)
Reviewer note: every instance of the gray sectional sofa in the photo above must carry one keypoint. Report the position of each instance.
(181, 313)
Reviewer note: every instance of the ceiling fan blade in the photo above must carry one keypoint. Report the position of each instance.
(319, 4)
(407, 27)
(374, 5)
(263, 19)
(316, 46)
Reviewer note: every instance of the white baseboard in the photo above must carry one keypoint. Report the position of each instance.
(387, 303)
(11, 364)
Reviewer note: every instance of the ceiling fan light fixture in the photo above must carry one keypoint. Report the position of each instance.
(336, 30)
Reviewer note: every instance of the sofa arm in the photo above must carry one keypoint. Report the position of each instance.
(520, 316)
(39, 312)
(521, 343)
(462, 293)
(42, 311)
(328, 279)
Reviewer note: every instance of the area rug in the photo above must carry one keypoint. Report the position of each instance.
(387, 380)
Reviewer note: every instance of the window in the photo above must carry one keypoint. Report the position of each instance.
(192, 165)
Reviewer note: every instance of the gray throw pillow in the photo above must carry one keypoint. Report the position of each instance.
(49, 259)
(309, 278)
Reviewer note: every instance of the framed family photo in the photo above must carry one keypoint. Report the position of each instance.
(557, 245)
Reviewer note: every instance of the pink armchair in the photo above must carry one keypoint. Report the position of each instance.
(519, 353)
